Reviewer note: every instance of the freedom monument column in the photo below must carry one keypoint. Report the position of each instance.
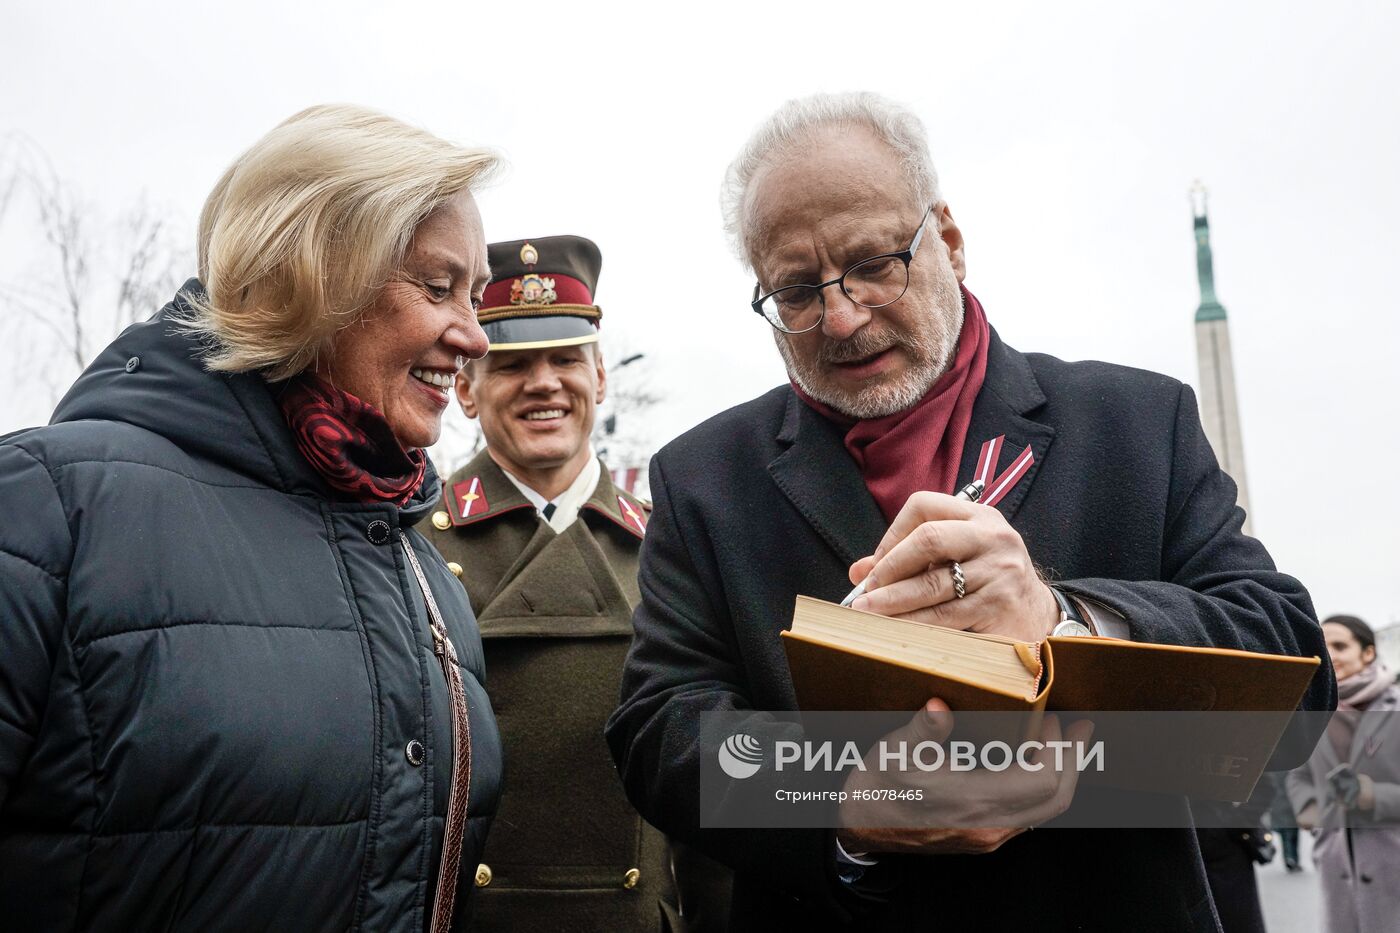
(1220, 413)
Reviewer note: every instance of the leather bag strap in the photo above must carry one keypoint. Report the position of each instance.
(450, 865)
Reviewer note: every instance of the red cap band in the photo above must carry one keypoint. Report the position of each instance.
(567, 291)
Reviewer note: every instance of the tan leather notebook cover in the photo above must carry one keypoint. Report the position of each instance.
(831, 678)
(1208, 757)
(1082, 674)
(1111, 674)
(1221, 759)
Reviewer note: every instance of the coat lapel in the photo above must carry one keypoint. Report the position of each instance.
(1009, 393)
(480, 491)
(1324, 759)
(618, 506)
(1366, 742)
(822, 481)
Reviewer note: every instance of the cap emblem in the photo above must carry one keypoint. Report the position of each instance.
(533, 289)
(529, 255)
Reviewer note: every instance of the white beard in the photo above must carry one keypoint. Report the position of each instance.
(931, 352)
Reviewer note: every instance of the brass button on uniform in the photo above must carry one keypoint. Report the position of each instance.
(441, 521)
(455, 567)
(629, 880)
(483, 875)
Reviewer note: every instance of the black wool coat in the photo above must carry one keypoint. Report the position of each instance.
(210, 670)
(1125, 504)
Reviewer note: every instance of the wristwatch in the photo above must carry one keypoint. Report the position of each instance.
(1071, 624)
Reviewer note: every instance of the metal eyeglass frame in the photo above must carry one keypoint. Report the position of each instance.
(905, 256)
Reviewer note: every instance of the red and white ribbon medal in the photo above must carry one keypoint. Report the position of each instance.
(996, 489)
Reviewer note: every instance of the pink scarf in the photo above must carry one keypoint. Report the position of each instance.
(1354, 694)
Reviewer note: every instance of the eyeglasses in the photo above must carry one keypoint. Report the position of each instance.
(871, 283)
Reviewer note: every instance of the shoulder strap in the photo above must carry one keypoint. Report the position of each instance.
(456, 823)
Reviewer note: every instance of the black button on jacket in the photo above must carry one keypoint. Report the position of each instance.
(209, 670)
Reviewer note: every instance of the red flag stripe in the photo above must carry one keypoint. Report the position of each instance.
(1010, 478)
(987, 461)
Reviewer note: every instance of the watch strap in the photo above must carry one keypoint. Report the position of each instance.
(1072, 621)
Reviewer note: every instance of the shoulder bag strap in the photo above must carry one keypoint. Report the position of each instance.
(455, 827)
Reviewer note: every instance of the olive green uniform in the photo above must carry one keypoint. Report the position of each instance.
(566, 850)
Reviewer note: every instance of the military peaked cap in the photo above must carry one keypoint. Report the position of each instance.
(541, 293)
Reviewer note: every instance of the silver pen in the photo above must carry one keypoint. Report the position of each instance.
(969, 493)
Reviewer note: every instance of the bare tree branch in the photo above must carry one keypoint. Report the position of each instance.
(624, 432)
(460, 441)
(61, 220)
(86, 278)
(148, 275)
(38, 312)
(9, 171)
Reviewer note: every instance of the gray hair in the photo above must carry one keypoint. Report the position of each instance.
(795, 121)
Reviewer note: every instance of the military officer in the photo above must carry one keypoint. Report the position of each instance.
(547, 547)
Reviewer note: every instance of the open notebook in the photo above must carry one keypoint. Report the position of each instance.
(844, 659)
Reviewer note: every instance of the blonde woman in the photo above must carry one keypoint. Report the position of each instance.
(237, 688)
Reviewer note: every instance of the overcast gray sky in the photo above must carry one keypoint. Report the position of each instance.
(1066, 136)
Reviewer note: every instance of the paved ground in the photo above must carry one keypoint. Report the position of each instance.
(1292, 903)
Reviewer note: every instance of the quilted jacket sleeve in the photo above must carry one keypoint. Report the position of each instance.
(35, 552)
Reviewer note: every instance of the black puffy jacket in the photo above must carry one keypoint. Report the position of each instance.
(210, 671)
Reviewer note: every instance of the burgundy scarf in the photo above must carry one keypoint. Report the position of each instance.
(349, 443)
(920, 447)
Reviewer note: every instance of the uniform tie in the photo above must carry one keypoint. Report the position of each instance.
(548, 511)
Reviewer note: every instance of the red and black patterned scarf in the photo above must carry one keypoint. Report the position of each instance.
(350, 443)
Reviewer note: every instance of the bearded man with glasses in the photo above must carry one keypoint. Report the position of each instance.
(900, 393)
(875, 282)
